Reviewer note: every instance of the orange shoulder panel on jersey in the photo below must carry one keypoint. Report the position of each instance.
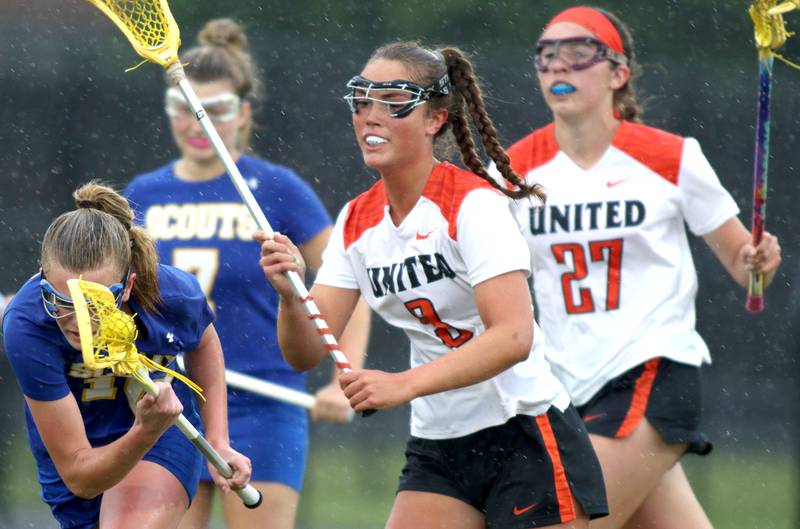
(447, 187)
(365, 211)
(659, 150)
(534, 150)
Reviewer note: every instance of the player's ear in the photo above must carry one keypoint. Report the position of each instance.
(126, 294)
(245, 114)
(620, 75)
(436, 119)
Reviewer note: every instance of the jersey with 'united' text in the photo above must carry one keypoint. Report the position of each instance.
(419, 276)
(614, 278)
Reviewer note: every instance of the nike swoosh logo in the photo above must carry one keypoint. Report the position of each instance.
(518, 511)
(593, 417)
(421, 236)
(617, 182)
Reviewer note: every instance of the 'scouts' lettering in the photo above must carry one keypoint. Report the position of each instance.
(590, 216)
(410, 273)
(225, 220)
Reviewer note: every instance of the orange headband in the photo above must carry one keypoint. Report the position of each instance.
(595, 22)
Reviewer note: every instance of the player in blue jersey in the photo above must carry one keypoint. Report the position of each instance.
(200, 224)
(105, 456)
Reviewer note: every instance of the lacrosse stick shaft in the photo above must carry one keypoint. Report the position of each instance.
(237, 380)
(249, 495)
(176, 74)
(755, 286)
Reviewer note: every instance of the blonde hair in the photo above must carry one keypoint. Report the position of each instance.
(99, 232)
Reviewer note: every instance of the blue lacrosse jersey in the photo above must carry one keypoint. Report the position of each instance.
(47, 368)
(205, 228)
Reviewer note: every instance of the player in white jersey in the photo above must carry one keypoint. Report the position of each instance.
(612, 239)
(435, 251)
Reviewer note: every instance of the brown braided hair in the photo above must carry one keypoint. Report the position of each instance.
(100, 231)
(425, 67)
(626, 105)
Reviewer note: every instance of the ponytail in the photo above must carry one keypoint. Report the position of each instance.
(102, 231)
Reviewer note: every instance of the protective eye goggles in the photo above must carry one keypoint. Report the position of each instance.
(58, 306)
(578, 53)
(220, 108)
(399, 97)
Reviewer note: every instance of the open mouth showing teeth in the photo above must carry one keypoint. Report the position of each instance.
(374, 140)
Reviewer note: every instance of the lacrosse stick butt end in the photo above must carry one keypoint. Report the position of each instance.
(755, 304)
(254, 497)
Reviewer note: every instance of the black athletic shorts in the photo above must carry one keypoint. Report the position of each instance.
(524, 473)
(667, 393)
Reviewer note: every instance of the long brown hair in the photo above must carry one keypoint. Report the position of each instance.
(222, 55)
(425, 67)
(99, 231)
(626, 104)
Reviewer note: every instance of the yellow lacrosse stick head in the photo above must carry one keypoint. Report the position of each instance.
(770, 29)
(148, 25)
(108, 335)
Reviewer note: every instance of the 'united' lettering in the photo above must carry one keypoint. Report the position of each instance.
(568, 218)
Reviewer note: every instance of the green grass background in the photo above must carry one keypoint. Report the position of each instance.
(353, 488)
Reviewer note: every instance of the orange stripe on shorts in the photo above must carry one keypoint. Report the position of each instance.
(563, 492)
(641, 394)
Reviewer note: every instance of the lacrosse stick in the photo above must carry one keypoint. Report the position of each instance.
(770, 34)
(108, 338)
(154, 34)
(263, 388)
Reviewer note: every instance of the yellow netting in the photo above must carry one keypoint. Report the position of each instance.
(148, 25)
(108, 334)
(770, 30)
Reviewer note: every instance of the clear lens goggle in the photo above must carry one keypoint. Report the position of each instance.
(399, 97)
(578, 53)
(58, 306)
(220, 108)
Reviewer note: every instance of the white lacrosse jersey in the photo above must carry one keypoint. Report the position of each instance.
(613, 274)
(419, 277)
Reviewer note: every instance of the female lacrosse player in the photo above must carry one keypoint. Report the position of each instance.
(435, 251)
(612, 237)
(104, 455)
(200, 224)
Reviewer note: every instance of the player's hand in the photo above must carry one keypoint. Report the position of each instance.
(369, 389)
(239, 463)
(331, 405)
(764, 258)
(278, 256)
(155, 414)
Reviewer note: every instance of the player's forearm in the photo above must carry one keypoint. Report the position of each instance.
(92, 471)
(207, 369)
(355, 338)
(497, 349)
(298, 339)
